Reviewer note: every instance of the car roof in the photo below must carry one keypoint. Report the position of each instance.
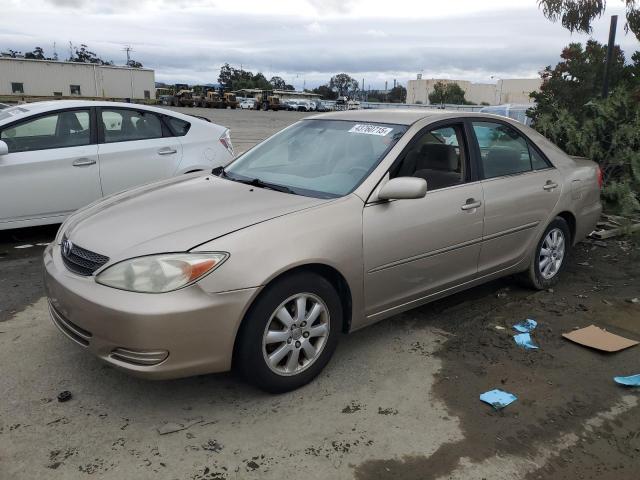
(45, 106)
(396, 116)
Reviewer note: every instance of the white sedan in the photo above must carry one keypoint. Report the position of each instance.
(248, 104)
(58, 156)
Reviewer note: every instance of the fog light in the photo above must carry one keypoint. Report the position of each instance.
(140, 357)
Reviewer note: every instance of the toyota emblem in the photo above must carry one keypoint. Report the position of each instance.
(66, 247)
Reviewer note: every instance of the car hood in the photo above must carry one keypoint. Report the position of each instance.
(176, 215)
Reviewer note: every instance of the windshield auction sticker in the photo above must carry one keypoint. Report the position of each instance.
(370, 130)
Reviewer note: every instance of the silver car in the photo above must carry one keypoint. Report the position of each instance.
(337, 222)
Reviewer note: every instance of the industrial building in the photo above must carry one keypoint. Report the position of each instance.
(514, 90)
(24, 78)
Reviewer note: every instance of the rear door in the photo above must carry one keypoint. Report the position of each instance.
(521, 188)
(135, 147)
(51, 168)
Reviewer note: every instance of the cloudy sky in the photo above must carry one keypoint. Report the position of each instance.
(305, 41)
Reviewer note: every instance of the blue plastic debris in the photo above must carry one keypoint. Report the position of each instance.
(630, 381)
(524, 340)
(497, 398)
(526, 326)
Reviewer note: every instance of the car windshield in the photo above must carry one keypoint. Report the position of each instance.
(319, 158)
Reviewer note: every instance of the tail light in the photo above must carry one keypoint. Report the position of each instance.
(599, 177)
(225, 140)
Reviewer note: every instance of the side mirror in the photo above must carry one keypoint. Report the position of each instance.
(403, 188)
(4, 148)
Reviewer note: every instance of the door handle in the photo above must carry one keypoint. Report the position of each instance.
(83, 162)
(167, 151)
(550, 185)
(471, 204)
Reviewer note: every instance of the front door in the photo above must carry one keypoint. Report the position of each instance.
(51, 168)
(134, 149)
(414, 248)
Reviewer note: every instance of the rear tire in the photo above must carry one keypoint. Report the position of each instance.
(550, 256)
(290, 333)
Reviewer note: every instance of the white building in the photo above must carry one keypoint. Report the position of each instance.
(515, 90)
(21, 78)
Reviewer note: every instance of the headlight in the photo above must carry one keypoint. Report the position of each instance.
(160, 273)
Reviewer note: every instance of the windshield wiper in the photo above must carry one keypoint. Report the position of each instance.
(256, 182)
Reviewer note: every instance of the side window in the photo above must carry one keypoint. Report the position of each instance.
(123, 125)
(179, 127)
(74, 89)
(503, 150)
(58, 130)
(537, 161)
(17, 87)
(438, 156)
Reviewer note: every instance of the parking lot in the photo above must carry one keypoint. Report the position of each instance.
(398, 400)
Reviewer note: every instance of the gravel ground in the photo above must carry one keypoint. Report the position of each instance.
(398, 401)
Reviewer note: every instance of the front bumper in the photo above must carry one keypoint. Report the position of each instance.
(169, 335)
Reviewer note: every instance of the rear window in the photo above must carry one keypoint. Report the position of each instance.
(11, 112)
(179, 127)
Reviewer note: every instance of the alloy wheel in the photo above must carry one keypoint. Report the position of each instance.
(551, 253)
(296, 334)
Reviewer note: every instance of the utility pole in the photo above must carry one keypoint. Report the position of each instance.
(128, 49)
(609, 61)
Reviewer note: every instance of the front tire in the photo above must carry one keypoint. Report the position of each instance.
(550, 256)
(290, 333)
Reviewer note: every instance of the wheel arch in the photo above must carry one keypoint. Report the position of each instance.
(570, 218)
(331, 274)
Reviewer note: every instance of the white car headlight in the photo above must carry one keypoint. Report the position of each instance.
(160, 273)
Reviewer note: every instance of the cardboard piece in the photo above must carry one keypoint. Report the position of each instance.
(599, 339)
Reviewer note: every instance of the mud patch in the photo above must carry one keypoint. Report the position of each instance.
(559, 386)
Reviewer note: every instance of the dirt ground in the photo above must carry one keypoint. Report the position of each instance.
(398, 401)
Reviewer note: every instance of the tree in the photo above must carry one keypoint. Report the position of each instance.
(226, 76)
(325, 92)
(134, 64)
(278, 83)
(84, 55)
(37, 54)
(397, 94)
(447, 92)
(570, 113)
(578, 77)
(578, 15)
(343, 85)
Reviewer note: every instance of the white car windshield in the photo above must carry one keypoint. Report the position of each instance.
(320, 158)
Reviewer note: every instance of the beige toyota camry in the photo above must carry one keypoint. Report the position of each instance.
(334, 223)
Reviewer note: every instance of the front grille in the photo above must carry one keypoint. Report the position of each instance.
(70, 329)
(80, 260)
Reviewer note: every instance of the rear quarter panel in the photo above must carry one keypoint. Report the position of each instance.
(201, 147)
(580, 193)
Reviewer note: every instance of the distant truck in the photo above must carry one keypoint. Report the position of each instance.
(182, 96)
(268, 101)
(212, 99)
